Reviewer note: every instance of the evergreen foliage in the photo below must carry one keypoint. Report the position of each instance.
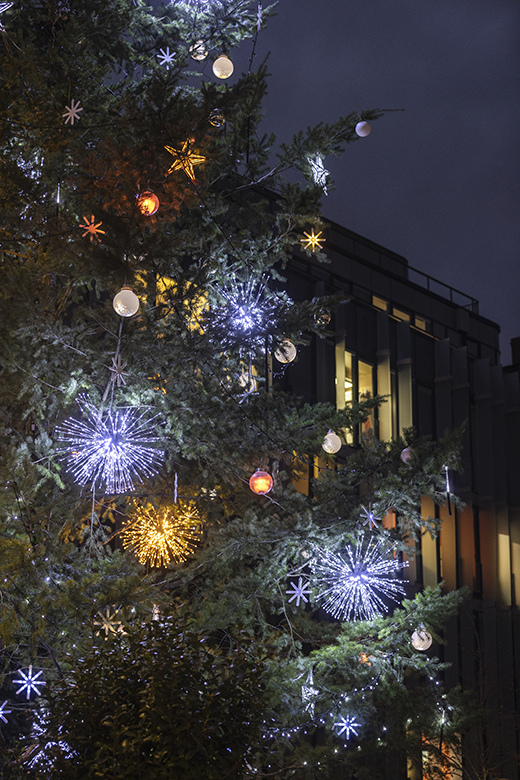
(208, 268)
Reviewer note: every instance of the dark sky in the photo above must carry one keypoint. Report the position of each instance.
(438, 183)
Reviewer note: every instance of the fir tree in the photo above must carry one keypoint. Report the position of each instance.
(104, 101)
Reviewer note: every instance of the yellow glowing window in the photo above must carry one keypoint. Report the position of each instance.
(421, 323)
(401, 315)
(379, 303)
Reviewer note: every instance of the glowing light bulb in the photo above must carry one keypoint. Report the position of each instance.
(147, 203)
(331, 443)
(261, 482)
(285, 352)
(223, 67)
(126, 302)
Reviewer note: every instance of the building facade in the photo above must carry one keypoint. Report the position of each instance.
(424, 346)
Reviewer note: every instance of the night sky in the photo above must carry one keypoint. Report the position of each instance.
(439, 182)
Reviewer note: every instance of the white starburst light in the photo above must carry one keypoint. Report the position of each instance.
(347, 726)
(370, 518)
(3, 711)
(72, 112)
(356, 582)
(165, 57)
(299, 591)
(29, 682)
(319, 173)
(107, 448)
(4, 7)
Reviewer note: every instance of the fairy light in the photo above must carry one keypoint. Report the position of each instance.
(108, 447)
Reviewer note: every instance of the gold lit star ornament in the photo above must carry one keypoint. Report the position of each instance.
(311, 241)
(184, 159)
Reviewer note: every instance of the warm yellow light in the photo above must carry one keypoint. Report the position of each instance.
(185, 159)
(147, 203)
(311, 241)
(158, 536)
(223, 67)
(261, 482)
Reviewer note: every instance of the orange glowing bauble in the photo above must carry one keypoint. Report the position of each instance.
(147, 203)
(261, 482)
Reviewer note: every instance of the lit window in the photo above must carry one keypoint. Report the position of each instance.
(379, 303)
(422, 324)
(400, 315)
(365, 392)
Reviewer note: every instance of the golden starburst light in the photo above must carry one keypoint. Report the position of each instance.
(185, 159)
(158, 536)
(311, 241)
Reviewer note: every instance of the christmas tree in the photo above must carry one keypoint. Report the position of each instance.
(174, 602)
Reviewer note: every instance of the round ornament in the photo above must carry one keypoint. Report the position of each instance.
(126, 302)
(223, 67)
(331, 443)
(285, 352)
(363, 129)
(147, 203)
(407, 454)
(261, 482)
(421, 639)
(198, 51)
(217, 118)
(322, 317)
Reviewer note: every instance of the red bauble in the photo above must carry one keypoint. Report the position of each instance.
(261, 482)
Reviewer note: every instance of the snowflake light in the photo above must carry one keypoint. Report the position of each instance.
(108, 622)
(72, 112)
(299, 591)
(184, 160)
(309, 693)
(319, 173)
(93, 228)
(4, 7)
(158, 536)
(369, 517)
(347, 726)
(29, 682)
(312, 241)
(165, 58)
(108, 448)
(3, 711)
(356, 582)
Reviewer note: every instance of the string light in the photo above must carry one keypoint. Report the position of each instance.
(108, 447)
(354, 587)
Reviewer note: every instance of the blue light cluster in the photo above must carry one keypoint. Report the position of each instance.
(356, 582)
(107, 448)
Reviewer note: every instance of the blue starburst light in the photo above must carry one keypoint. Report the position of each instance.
(108, 447)
(29, 682)
(356, 581)
(3, 711)
(347, 726)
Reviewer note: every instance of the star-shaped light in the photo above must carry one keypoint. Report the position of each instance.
(318, 172)
(29, 682)
(165, 58)
(299, 591)
(347, 726)
(184, 160)
(109, 623)
(311, 241)
(72, 112)
(370, 518)
(92, 227)
(309, 694)
(4, 7)
(4, 712)
(118, 372)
